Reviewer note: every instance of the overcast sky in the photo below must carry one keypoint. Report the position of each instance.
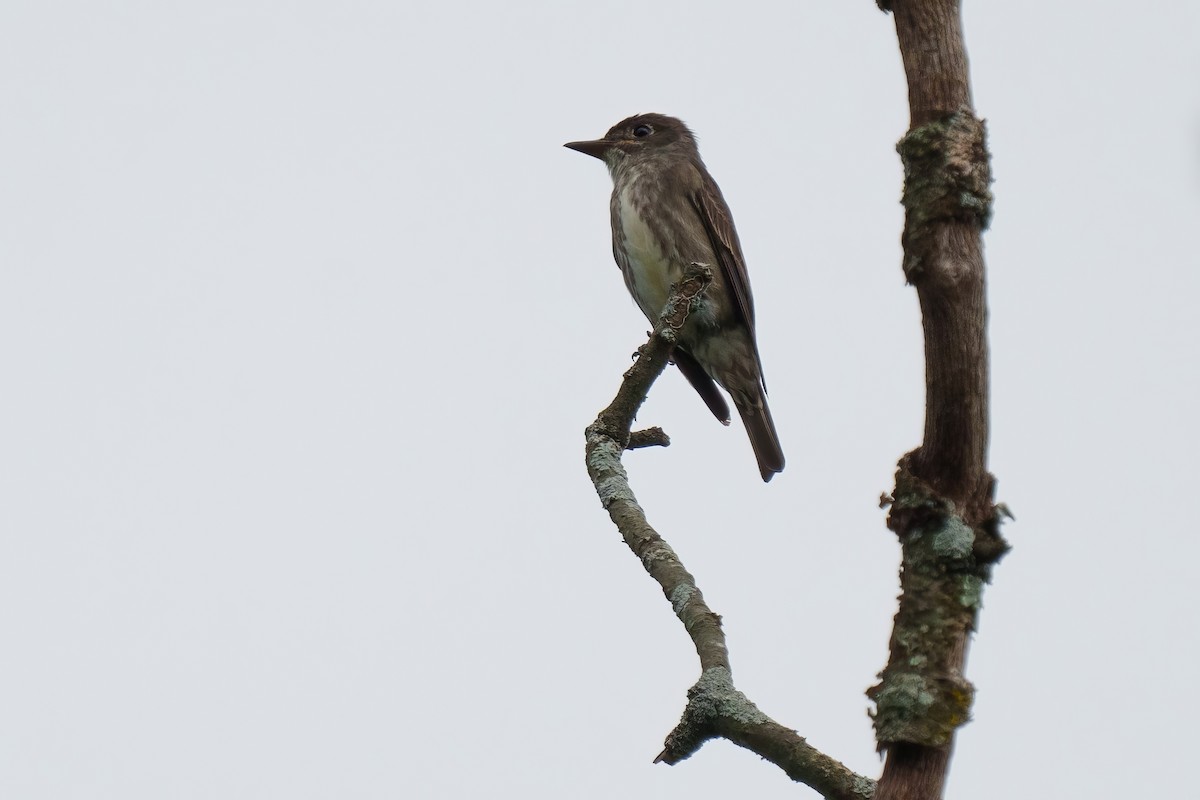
(305, 308)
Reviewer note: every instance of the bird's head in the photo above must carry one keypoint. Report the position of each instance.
(639, 136)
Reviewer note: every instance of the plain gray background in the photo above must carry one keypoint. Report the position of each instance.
(304, 311)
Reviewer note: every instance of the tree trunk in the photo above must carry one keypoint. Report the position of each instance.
(942, 508)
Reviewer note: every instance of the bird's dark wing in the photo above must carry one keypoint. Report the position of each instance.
(702, 383)
(714, 213)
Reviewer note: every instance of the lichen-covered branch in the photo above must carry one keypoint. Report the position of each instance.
(608, 438)
(947, 204)
(715, 708)
(942, 508)
(650, 437)
(923, 697)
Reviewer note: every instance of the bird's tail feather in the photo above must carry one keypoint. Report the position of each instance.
(702, 383)
(763, 438)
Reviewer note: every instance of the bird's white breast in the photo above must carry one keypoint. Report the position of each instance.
(649, 268)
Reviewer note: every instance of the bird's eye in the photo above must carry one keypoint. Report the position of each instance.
(642, 131)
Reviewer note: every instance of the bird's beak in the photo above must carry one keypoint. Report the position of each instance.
(595, 148)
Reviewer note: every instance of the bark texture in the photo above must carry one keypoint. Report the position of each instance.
(715, 707)
(942, 507)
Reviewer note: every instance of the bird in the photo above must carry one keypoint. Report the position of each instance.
(667, 212)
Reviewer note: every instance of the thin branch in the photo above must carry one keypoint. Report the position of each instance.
(651, 437)
(715, 707)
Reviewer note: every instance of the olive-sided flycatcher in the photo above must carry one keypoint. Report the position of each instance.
(667, 212)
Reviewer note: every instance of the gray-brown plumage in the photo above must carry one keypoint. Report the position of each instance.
(667, 212)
